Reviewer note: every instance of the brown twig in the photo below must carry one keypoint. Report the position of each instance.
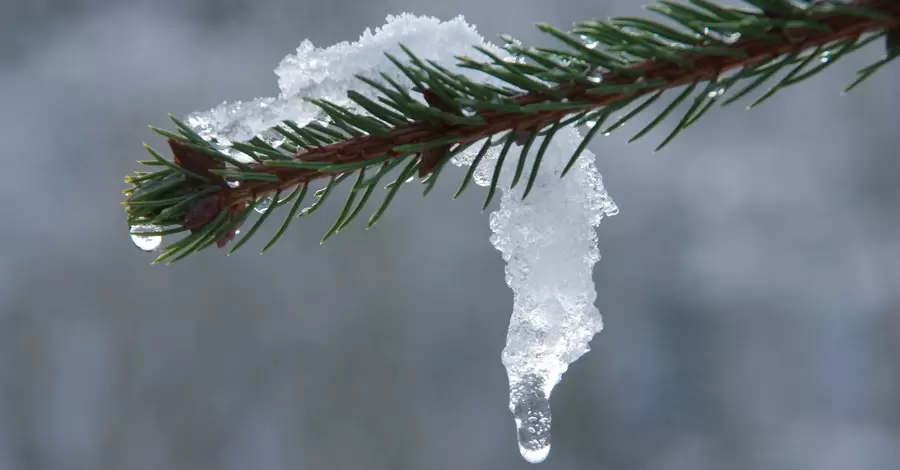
(705, 67)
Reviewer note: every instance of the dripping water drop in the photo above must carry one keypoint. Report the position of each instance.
(825, 57)
(410, 179)
(530, 406)
(232, 183)
(146, 242)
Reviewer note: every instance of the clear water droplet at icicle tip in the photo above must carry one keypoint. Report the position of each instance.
(530, 405)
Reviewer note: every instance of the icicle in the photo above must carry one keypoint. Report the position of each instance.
(550, 247)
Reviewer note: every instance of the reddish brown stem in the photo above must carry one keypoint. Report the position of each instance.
(705, 68)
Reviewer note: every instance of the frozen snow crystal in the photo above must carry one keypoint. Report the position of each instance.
(328, 73)
(548, 241)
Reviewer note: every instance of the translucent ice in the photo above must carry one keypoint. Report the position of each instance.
(548, 241)
(550, 248)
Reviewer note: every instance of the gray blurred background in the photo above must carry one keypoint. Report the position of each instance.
(749, 285)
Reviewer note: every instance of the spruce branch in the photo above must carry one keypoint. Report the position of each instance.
(600, 67)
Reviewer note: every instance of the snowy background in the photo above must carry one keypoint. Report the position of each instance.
(749, 285)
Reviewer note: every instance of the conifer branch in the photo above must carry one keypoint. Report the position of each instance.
(604, 66)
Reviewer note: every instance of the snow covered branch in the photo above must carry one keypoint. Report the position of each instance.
(357, 111)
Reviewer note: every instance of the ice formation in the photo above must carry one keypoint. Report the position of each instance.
(548, 241)
(550, 248)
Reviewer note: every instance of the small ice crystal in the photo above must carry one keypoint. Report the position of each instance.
(146, 242)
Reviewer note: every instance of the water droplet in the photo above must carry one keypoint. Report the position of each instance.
(716, 93)
(146, 242)
(410, 179)
(590, 124)
(263, 204)
(594, 79)
(825, 57)
(530, 406)
(468, 111)
(591, 45)
(232, 183)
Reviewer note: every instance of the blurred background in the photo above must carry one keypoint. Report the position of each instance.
(749, 285)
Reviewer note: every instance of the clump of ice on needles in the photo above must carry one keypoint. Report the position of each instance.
(548, 241)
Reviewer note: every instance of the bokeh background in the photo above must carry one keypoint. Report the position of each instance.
(750, 285)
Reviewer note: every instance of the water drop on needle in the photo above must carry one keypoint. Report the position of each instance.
(263, 205)
(715, 93)
(146, 242)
